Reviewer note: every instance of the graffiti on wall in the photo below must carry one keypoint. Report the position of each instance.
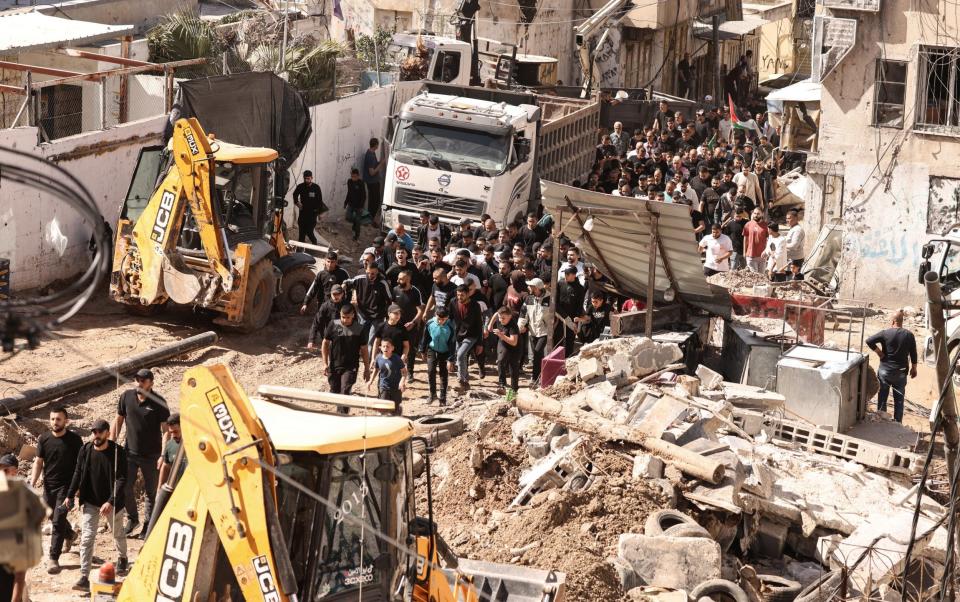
(607, 62)
(773, 64)
(943, 204)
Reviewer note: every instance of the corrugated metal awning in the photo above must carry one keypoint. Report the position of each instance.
(771, 12)
(619, 244)
(31, 31)
(729, 29)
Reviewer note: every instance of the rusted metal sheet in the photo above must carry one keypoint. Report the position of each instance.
(809, 325)
(621, 233)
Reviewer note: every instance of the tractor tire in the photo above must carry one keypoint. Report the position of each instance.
(661, 520)
(720, 590)
(293, 288)
(261, 290)
(690, 530)
(439, 422)
(778, 589)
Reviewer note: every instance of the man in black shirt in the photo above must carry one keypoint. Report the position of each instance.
(393, 330)
(308, 198)
(468, 317)
(442, 293)
(570, 294)
(355, 201)
(532, 233)
(372, 296)
(328, 311)
(57, 451)
(897, 349)
(330, 275)
(410, 301)
(499, 283)
(100, 480)
(734, 230)
(344, 345)
(401, 264)
(145, 414)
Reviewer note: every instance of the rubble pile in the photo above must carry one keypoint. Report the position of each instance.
(745, 282)
(640, 482)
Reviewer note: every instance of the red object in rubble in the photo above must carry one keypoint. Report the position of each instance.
(552, 366)
(108, 574)
(809, 324)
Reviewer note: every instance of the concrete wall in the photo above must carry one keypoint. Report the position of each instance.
(775, 52)
(341, 134)
(141, 13)
(886, 172)
(44, 238)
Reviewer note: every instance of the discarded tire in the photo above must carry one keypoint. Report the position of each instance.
(439, 422)
(720, 590)
(824, 589)
(778, 589)
(661, 520)
(690, 530)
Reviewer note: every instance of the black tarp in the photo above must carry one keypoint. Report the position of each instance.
(250, 109)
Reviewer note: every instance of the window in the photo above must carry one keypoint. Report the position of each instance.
(888, 93)
(447, 68)
(938, 90)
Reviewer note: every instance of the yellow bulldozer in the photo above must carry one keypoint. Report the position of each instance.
(279, 498)
(200, 226)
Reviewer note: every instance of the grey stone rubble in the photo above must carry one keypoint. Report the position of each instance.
(836, 510)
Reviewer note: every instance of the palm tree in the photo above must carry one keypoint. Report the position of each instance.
(183, 35)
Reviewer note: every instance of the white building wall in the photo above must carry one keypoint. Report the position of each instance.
(44, 238)
(341, 134)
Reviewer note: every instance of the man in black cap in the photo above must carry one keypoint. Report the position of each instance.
(466, 225)
(9, 465)
(308, 198)
(100, 479)
(330, 275)
(344, 345)
(328, 311)
(57, 452)
(145, 413)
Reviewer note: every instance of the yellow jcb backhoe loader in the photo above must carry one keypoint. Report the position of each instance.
(279, 500)
(200, 226)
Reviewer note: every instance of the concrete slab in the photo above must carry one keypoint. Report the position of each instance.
(709, 379)
(655, 415)
(745, 396)
(646, 466)
(672, 562)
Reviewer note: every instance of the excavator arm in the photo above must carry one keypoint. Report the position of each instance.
(225, 503)
(190, 182)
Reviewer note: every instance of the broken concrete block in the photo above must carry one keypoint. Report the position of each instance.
(657, 414)
(525, 426)
(628, 577)
(709, 380)
(674, 562)
(589, 368)
(538, 447)
(655, 594)
(646, 466)
(620, 363)
(668, 353)
(689, 385)
(645, 362)
(746, 396)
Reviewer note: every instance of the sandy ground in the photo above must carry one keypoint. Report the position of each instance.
(103, 332)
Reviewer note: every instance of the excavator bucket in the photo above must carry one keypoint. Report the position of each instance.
(498, 582)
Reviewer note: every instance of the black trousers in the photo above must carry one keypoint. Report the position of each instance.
(539, 345)
(306, 222)
(563, 334)
(342, 381)
(396, 396)
(54, 498)
(373, 200)
(147, 465)
(437, 361)
(508, 360)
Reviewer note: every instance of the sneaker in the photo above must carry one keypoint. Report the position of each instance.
(433, 399)
(53, 566)
(69, 541)
(82, 584)
(131, 527)
(501, 390)
(122, 565)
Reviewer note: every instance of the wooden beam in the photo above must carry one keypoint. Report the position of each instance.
(586, 234)
(93, 56)
(37, 69)
(98, 75)
(651, 276)
(5, 89)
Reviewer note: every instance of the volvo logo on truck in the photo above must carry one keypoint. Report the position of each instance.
(163, 217)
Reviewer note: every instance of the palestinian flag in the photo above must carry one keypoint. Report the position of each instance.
(733, 116)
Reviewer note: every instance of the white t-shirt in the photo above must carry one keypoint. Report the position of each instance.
(776, 253)
(715, 247)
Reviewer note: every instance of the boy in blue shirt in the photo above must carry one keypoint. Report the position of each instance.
(439, 340)
(392, 373)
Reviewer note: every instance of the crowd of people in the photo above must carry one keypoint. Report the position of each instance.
(724, 169)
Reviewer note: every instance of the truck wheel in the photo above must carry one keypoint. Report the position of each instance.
(721, 590)
(293, 288)
(261, 290)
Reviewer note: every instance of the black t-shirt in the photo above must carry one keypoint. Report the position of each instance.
(735, 232)
(398, 334)
(6, 584)
(509, 329)
(393, 272)
(599, 319)
(898, 345)
(345, 344)
(143, 422)
(695, 218)
(409, 301)
(59, 455)
(356, 194)
(97, 487)
(309, 196)
(444, 295)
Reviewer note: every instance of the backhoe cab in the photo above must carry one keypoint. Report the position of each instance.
(280, 500)
(200, 226)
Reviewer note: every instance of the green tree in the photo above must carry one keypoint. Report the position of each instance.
(370, 48)
(182, 36)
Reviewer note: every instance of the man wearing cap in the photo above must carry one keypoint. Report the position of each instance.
(466, 225)
(330, 275)
(100, 479)
(145, 413)
(307, 197)
(57, 451)
(328, 311)
(536, 319)
(9, 465)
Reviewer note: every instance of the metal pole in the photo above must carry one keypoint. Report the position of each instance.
(651, 274)
(31, 109)
(717, 81)
(376, 55)
(33, 397)
(103, 103)
(938, 328)
(557, 232)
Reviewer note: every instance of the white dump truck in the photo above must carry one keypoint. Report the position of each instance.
(460, 151)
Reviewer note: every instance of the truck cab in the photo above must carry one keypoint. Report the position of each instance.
(942, 255)
(447, 59)
(459, 156)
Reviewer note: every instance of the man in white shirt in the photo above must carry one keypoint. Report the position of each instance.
(794, 240)
(689, 193)
(719, 248)
(775, 254)
(751, 183)
(573, 261)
